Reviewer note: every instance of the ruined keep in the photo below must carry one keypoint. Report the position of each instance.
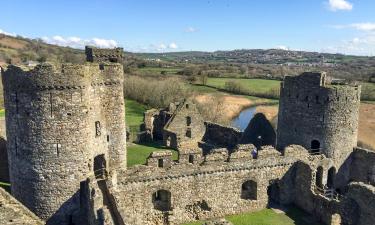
(320, 116)
(64, 123)
(67, 154)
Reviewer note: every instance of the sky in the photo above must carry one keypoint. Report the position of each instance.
(334, 26)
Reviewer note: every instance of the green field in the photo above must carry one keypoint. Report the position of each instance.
(158, 70)
(134, 112)
(137, 154)
(293, 216)
(2, 112)
(255, 85)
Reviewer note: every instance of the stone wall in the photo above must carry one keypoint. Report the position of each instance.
(186, 125)
(319, 116)
(363, 166)
(221, 136)
(13, 212)
(354, 207)
(59, 119)
(94, 54)
(259, 132)
(213, 189)
(4, 168)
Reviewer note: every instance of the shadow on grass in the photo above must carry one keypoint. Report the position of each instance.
(300, 217)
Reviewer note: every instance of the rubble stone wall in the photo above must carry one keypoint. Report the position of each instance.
(203, 191)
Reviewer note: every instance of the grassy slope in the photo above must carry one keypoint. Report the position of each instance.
(134, 112)
(293, 216)
(258, 85)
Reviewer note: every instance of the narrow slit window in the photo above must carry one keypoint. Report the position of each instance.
(188, 121)
(97, 128)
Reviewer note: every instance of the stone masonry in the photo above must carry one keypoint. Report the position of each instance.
(63, 123)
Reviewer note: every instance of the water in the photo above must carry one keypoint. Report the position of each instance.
(242, 120)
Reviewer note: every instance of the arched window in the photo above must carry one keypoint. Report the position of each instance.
(162, 200)
(100, 166)
(319, 177)
(331, 177)
(249, 190)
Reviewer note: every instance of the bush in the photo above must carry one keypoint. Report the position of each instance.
(236, 87)
(154, 93)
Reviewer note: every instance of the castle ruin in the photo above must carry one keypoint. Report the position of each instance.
(67, 154)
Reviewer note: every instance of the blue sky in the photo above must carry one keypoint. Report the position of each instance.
(345, 26)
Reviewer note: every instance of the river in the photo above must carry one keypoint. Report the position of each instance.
(242, 120)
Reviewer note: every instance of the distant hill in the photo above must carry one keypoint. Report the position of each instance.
(262, 56)
(23, 50)
(273, 62)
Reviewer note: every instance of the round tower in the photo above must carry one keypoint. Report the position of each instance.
(320, 116)
(59, 133)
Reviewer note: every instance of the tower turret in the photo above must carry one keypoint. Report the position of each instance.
(319, 115)
(64, 123)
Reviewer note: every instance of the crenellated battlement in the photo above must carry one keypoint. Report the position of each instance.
(47, 76)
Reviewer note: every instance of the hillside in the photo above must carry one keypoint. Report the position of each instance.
(23, 50)
(270, 63)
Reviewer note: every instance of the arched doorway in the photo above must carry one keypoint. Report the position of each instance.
(319, 177)
(249, 190)
(273, 191)
(100, 166)
(162, 200)
(331, 177)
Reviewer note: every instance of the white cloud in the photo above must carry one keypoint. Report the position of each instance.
(282, 47)
(7, 33)
(76, 42)
(173, 46)
(364, 26)
(191, 30)
(358, 26)
(336, 5)
(364, 45)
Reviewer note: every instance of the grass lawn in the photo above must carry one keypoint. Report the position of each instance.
(293, 216)
(256, 85)
(2, 112)
(134, 113)
(137, 154)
